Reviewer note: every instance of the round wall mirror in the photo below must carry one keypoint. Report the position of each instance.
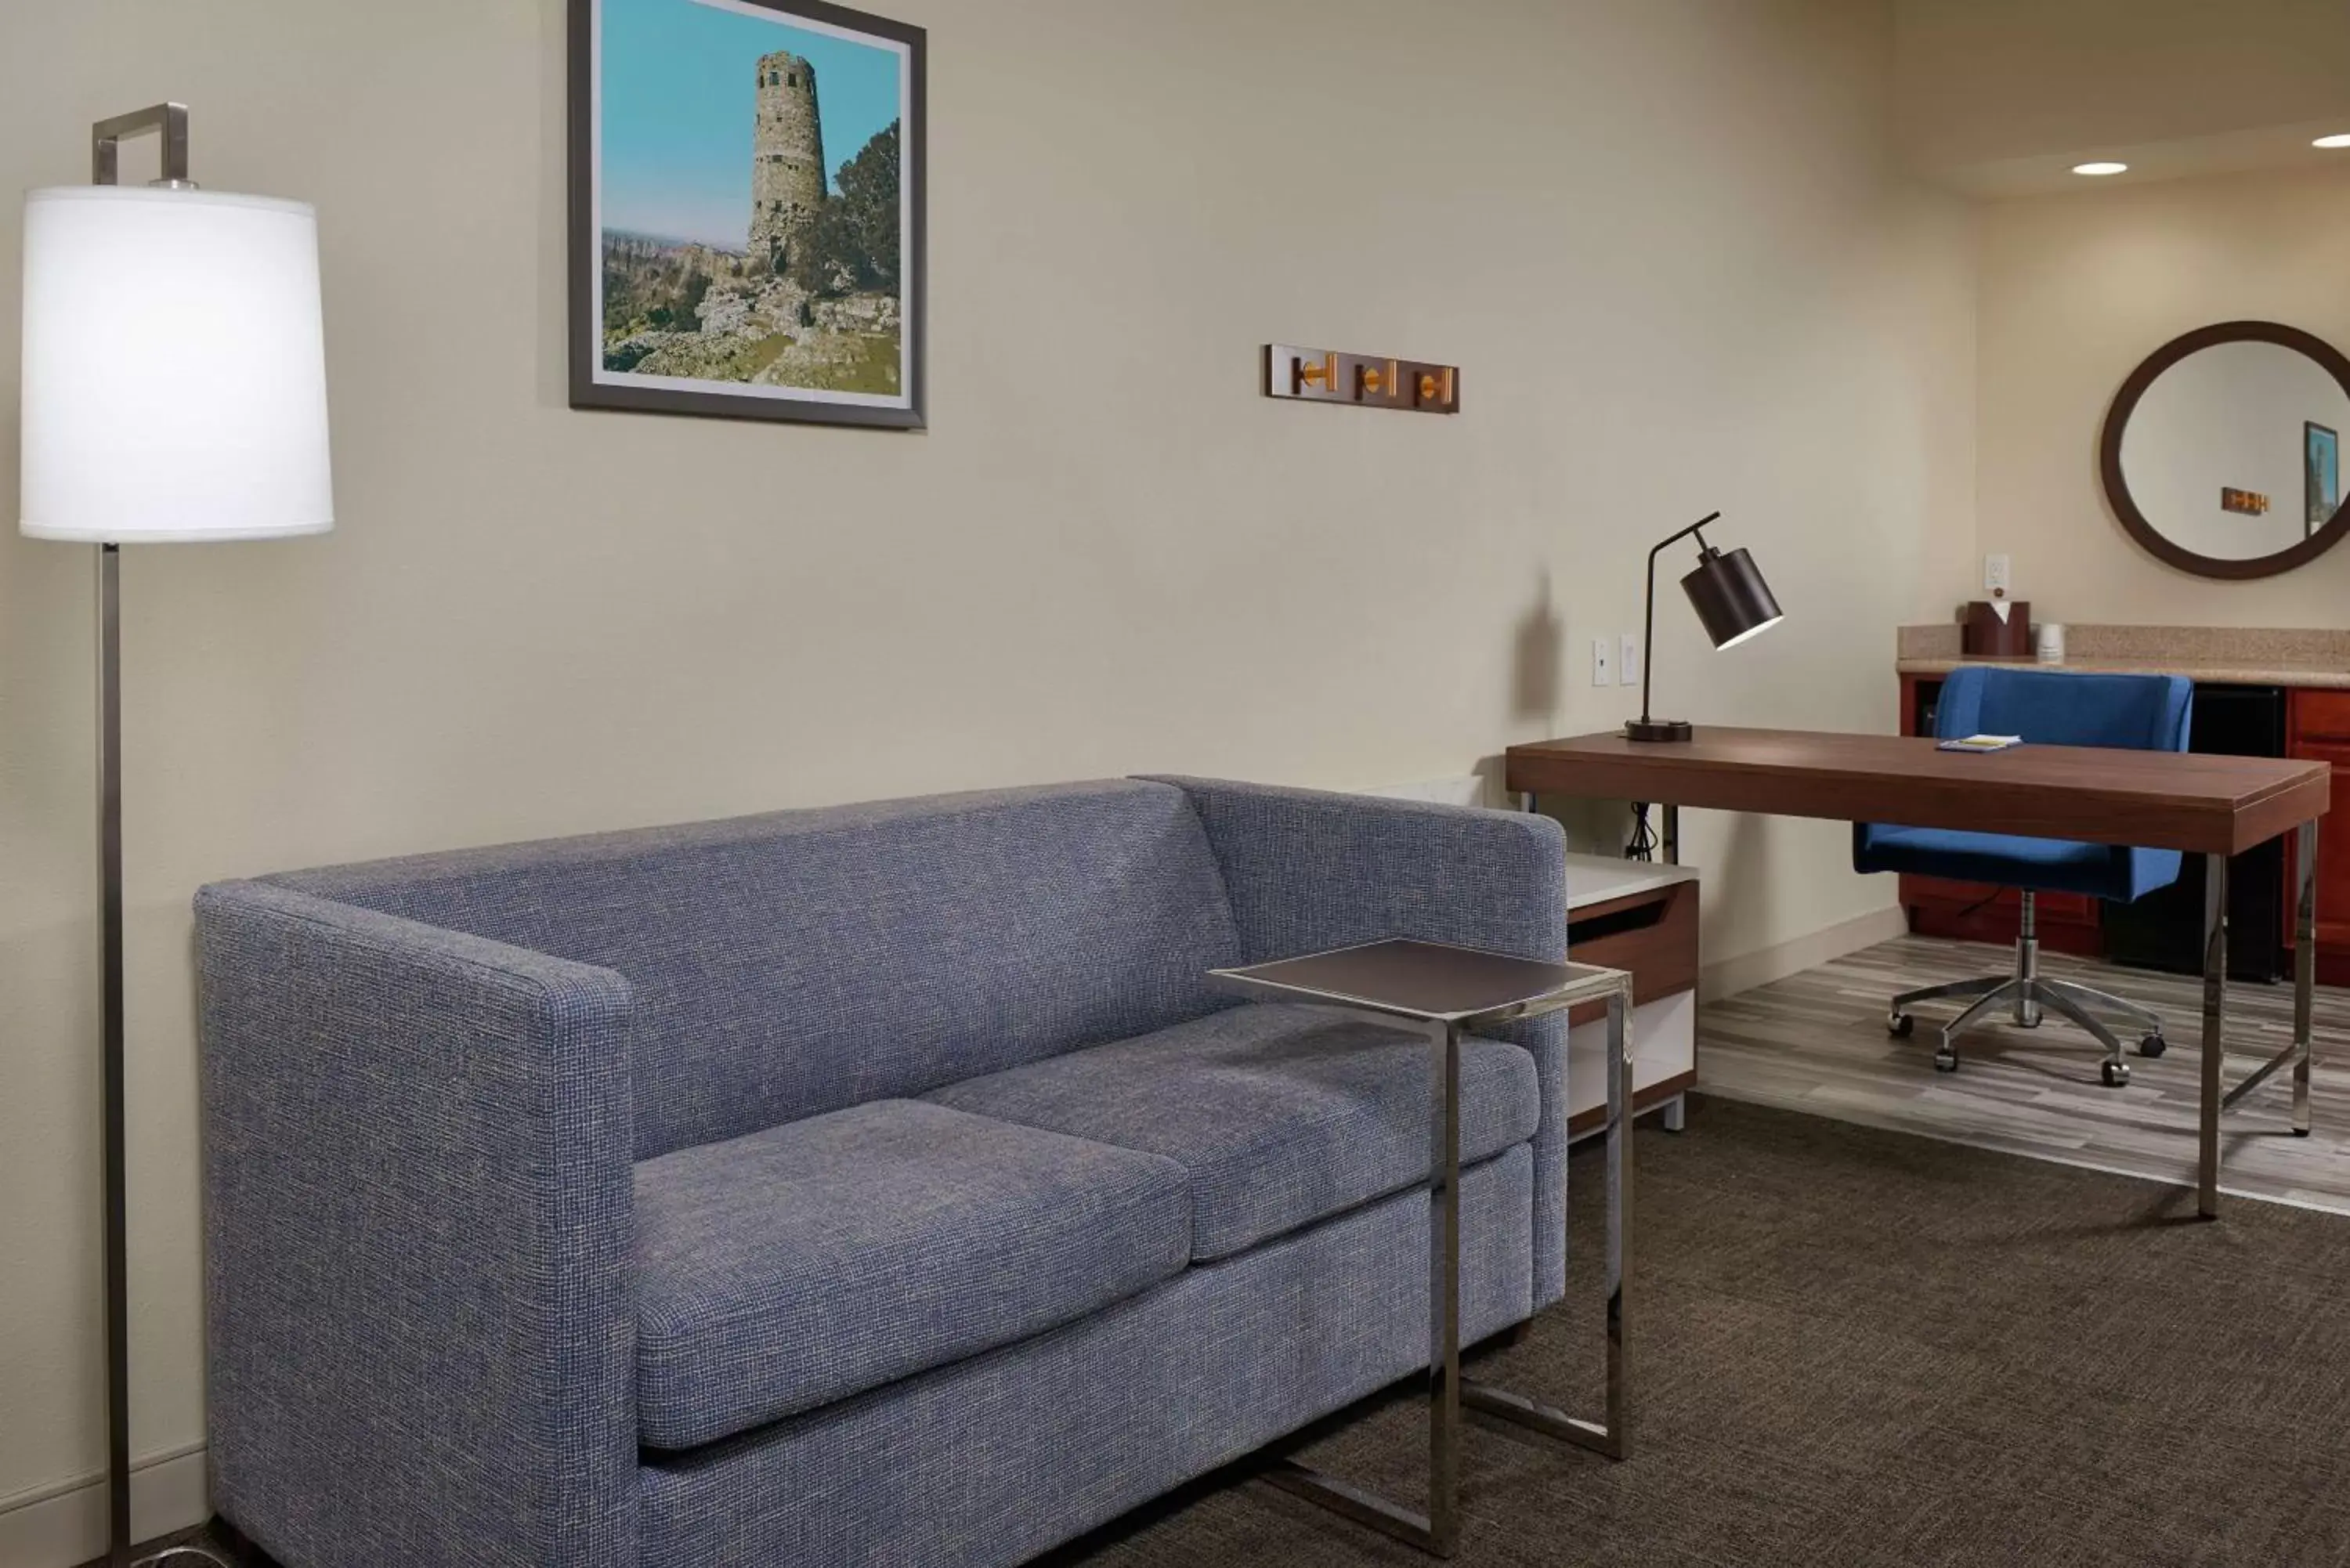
(2222, 452)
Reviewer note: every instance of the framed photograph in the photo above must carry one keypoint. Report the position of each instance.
(746, 211)
(2321, 450)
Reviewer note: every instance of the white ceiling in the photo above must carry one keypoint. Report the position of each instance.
(2003, 97)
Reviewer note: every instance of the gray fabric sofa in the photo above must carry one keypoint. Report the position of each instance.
(881, 1184)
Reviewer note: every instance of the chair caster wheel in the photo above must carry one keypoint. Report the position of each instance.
(1946, 1060)
(2115, 1074)
(1902, 1026)
(2153, 1045)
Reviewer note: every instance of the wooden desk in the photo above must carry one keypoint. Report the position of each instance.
(2207, 806)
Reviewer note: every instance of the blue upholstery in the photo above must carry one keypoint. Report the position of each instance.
(417, 1313)
(472, 1123)
(797, 1266)
(795, 964)
(995, 1459)
(2046, 706)
(1282, 1116)
(1307, 871)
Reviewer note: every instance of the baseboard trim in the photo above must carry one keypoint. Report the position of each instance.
(64, 1523)
(1762, 966)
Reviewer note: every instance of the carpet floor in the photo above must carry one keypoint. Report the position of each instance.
(1862, 1349)
(1857, 1348)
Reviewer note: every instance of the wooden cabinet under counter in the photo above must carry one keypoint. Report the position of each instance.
(2319, 724)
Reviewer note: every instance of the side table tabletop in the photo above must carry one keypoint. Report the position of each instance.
(1448, 991)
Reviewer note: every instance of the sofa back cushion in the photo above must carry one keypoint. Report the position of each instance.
(796, 964)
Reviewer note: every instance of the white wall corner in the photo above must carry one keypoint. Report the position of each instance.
(1763, 965)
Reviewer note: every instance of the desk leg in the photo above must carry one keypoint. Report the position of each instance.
(2215, 1025)
(2304, 971)
(1672, 850)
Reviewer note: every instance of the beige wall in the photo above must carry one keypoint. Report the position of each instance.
(2075, 291)
(1662, 238)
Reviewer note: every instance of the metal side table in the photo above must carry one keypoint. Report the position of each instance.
(1450, 991)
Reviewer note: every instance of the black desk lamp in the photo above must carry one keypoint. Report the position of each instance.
(1733, 601)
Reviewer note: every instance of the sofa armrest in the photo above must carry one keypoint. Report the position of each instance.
(417, 1168)
(1308, 870)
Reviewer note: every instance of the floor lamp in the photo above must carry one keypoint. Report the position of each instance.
(174, 390)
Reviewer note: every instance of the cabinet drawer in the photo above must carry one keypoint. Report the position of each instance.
(1651, 936)
(2321, 715)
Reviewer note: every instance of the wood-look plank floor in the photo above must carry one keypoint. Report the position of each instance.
(1816, 1042)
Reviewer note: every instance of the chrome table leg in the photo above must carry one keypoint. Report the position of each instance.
(1444, 1295)
(2305, 974)
(1438, 1529)
(2215, 1035)
(2304, 971)
(1611, 1436)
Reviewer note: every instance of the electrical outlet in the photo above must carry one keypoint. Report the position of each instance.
(1628, 662)
(1997, 580)
(1603, 654)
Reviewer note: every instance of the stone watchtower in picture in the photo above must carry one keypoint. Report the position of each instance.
(788, 178)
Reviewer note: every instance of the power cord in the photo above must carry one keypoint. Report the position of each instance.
(1644, 839)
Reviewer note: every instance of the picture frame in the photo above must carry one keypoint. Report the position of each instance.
(2321, 458)
(735, 249)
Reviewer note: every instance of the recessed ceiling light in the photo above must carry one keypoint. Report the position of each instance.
(2100, 168)
(2342, 141)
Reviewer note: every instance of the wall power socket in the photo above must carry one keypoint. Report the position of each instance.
(1603, 657)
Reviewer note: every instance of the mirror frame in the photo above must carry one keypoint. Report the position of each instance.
(2109, 451)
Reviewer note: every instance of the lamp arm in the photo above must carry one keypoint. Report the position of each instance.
(168, 121)
(1648, 626)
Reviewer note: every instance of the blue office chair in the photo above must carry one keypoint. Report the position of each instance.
(2136, 712)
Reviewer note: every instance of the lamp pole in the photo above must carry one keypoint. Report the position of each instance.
(1645, 727)
(170, 121)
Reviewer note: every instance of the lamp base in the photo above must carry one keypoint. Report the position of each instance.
(1657, 730)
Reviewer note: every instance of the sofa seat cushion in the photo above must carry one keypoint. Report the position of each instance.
(1283, 1115)
(785, 1269)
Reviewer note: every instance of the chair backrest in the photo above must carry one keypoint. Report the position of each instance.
(2055, 708)
(796, 964)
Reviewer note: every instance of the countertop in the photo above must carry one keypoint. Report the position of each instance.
(2244, 655)
(2271, 672)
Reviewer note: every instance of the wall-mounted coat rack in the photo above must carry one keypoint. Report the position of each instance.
(1371, 381)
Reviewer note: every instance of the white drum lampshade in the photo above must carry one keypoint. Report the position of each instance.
(175, 367)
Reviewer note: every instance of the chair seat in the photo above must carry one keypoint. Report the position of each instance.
(794, 1267)
(1283, 1115)
(2040, 865)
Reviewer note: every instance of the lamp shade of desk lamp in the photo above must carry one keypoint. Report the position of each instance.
(174, 390)
(1733, 603)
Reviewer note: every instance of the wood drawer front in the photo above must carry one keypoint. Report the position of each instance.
(1651, 935)
(2320, 715)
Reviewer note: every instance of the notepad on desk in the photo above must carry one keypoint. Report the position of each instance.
(1981, 744)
